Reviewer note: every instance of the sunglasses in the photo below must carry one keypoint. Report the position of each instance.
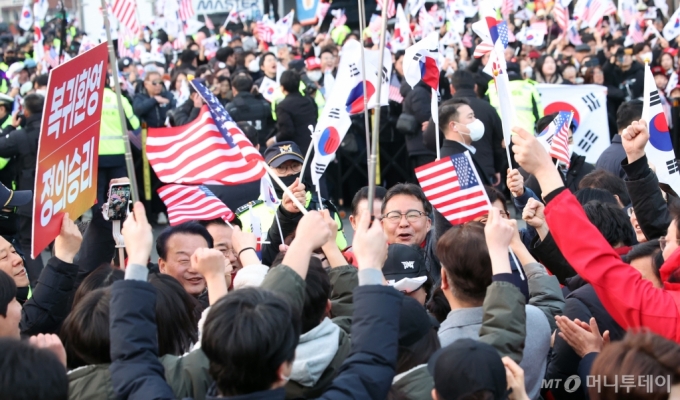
(156, 83)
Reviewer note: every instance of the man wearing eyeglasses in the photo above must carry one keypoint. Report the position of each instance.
(152, 104)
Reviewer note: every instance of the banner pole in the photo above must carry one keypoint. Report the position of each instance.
(367, 122)
(121, 111)
(372, 161)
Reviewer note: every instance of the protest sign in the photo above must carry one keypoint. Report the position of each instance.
(66, 170)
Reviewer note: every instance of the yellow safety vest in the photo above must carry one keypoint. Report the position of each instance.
(340, 33)
(278, 96)
(110, 132)
(521, 93)
(267, 216)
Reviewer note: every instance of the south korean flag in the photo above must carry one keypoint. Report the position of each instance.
(659, 148)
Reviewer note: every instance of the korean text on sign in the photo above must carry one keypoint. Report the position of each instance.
(66, 175)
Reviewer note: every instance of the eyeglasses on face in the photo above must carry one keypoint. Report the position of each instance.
(286, 168)
(395, 216)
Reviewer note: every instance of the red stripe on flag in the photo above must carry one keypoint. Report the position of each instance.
(192, 203)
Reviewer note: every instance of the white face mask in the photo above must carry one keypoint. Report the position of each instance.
(476, 128)
(571, 150)
(254, 65)
(646, 57)
(314, 75)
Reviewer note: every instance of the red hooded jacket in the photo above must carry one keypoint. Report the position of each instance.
(633, 302)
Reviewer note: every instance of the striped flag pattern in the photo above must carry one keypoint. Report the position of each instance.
(186, 9)
(561, 16)
(192, 203)
(391, 8)
(557, 136)
(395, 94)
(211, 149)
(208, 22)
(126, 13)
(454, 188)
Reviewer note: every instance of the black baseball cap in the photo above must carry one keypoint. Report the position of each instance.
(124, 63)
(11, 198)
(280, 152)
(403, 261)
(467, 366)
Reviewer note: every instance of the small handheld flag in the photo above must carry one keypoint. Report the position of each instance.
(555, 137)
(192, 203)
(454, 188)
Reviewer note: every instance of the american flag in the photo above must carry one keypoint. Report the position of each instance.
(126, 13)
(573, 35)
(391, 8)
(556, 135)
(594, 11)
(192, 203)
(208, 23)
(454, 188)
(395, 94)
(561, 15)
(211, 149)
(610, 8)
(186, 9)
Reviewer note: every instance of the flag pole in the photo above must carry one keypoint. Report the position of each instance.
(309, 151)
(123, 125)
(372, 161)
(367, 123)
(285, 189)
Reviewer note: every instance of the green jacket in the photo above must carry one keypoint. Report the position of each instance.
(545, 292)
(285, 281)
(188, 376)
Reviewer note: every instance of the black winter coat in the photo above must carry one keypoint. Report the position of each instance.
(490, 155)
(631, 81)
(52, 298)
(418, 103)
(150, 111)
(255, 111)
(293, 116)
(578, 168)
(23, 144)
(583, 304)
(650, 207)
(185, 113)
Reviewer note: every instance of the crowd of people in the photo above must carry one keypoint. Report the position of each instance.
(568, 288)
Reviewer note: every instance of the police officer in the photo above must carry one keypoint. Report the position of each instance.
(525, 99)
(247, 108)
(111, 142)
(286, 160)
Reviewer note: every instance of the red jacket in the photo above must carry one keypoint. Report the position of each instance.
(632, 301)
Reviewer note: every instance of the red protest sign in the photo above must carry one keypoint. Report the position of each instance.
(66, 171)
